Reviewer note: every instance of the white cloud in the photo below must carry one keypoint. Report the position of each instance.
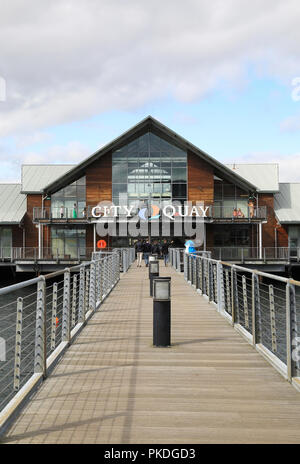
(291, 124)
(66, 60)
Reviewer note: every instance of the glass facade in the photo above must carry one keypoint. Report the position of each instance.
(5, 241)
(68, 242)
(70, 202)
(227, 198)
(149, 170)
(232, 235)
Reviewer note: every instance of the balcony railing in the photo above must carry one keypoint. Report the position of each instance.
(237, 214)
(245, 213)
(63, 213)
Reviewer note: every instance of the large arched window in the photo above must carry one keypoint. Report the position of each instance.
(149, 169)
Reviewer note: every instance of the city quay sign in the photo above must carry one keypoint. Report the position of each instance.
(171, 211)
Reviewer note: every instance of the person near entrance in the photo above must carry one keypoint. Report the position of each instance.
(165, 252)
(139, 248)
(156, 249)
(147, 251)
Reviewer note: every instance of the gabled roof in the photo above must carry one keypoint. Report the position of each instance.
(264, 175)
(35, 177)
(286, 203)
(147, 124)
(12, 204)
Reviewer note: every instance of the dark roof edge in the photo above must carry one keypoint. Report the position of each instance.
(147, 122)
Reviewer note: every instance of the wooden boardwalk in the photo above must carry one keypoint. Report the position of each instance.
(112, 386)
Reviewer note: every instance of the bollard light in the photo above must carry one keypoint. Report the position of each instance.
(162, 288)
(153, 272)
(154, 267)
(162, 311)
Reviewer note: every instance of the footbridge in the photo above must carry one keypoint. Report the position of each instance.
(81, 366)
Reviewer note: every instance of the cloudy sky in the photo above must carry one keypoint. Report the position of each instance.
(74, 74)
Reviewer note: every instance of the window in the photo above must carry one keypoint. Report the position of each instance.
(68, 243)
(151, 168)
(69, 201)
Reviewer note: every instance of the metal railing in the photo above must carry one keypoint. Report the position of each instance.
(76, 254)
(244, 254)
(40, 317)
(264, 308)
(64, 213)
(214, 211)
(237, 214)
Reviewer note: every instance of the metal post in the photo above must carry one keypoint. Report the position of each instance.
(66, 326)
(87, 289)
(234, 295)
(228, 292)
(220, 287)
(245, 300)
(53, 315)
(74, 300)
(272, 318)
(81, 313)
(291, 330)
(92, 297)
(40, 354)
(17, 368)
(256, 311)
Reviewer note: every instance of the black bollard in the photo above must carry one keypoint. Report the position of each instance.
(162, 311)
(153, 272)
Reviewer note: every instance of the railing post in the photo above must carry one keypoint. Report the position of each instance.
(234, 295)
(256, 310)
(291, 332)
(66, 329)
(220, 288)
(74, 300)
(17, 368)
(53, 315)
(40, 354)
(272, 318)
(245, 300)
(87, 289)
(101, 291)
(81, 312)
(92, 298)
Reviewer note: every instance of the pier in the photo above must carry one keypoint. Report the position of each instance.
(219, 382)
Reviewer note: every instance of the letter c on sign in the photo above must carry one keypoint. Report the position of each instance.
(101, 244)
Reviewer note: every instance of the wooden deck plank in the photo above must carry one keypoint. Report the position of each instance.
(112, 386)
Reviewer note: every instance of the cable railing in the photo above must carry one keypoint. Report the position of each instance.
(70, 254)
(263, 307)
(40, 317)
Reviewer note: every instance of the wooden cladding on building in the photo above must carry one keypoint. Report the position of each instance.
(31, 238)
(99, 181)
(200, 180)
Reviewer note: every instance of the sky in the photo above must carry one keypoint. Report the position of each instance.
(75, 74)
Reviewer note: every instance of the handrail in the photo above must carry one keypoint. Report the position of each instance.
(263, 307)
(42, 316)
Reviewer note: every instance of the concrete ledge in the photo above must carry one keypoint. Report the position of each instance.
(245, 334)
(272, 359)
(13, 408)
(296, 383)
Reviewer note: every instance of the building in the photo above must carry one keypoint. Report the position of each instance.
(48, 219)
